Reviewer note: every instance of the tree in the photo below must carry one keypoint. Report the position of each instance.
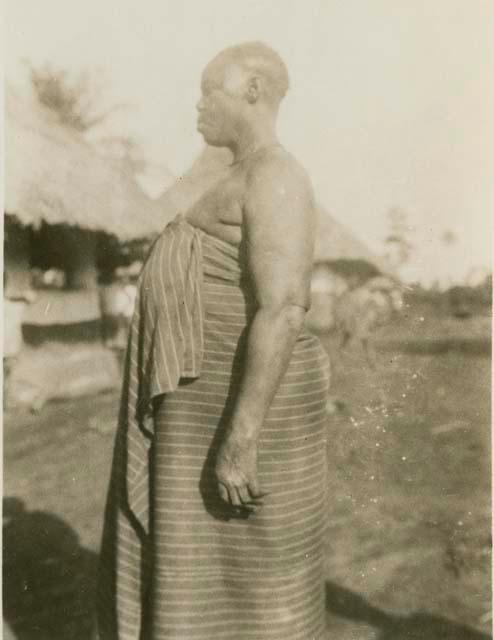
(76, 100)
(399, 246)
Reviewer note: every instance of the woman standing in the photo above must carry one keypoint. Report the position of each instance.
(215, 515)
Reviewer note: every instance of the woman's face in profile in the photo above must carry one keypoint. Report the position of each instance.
(219, 108)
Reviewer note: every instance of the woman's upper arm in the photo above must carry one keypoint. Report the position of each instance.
(279, 226)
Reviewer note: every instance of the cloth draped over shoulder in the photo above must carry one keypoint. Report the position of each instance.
(165, 344)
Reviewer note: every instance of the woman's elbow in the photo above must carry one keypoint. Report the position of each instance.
(285, 311)
(294, 316)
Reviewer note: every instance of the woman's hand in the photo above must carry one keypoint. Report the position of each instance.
(236, 472)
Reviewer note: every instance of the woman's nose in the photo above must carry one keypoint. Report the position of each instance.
(200, 104)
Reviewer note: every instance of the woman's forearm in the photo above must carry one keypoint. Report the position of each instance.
(270, 342)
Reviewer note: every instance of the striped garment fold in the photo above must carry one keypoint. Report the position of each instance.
(165, 344)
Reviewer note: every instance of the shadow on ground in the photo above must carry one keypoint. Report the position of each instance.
(49, 583)
(48, 577)
(418, 626)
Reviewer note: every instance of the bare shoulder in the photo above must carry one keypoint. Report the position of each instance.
(280, 223)
(278, 175)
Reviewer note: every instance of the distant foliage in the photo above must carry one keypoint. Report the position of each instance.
(398, 242)
(73, 99)
(466, 301)
(485, 290)
(459, 301)
(76, 100)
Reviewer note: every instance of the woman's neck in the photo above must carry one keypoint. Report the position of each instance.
(254, 139)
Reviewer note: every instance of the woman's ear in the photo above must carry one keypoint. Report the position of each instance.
(253, 89)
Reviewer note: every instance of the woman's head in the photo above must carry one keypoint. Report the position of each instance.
(242, 82)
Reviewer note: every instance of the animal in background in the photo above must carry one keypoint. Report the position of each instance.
(360, 311)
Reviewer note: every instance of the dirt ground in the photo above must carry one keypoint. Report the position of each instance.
(408, 541)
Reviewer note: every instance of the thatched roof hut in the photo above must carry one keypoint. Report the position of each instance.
(61, 198)
(52, 175)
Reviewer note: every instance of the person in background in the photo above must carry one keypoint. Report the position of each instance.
(127, 298)
(117, 296)
(14, 305)
(117, 299)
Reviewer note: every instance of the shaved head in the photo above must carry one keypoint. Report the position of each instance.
(259, 60)
(241, 91)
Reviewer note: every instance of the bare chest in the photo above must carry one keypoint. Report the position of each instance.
(219, 210)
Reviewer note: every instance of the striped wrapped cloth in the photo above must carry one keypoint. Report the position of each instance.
(177, 563)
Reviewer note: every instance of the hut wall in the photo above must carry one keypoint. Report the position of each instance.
(80, 259)
(16, 259)
(71, 313)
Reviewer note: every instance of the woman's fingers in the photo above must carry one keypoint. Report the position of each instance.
(248, 496)
(247, 501)
(255, 491)
(243, 494)
(230, 494)
(223, 493)
(234, 497)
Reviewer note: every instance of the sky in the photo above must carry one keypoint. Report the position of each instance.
(391, 101)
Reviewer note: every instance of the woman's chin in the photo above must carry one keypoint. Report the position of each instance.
(210, 141)
(209, 137)
(203, 133)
